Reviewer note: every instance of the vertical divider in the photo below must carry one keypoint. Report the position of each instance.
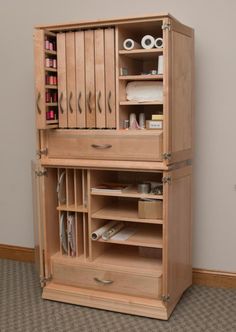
(68, 246)
(117, 78)
(89, 214)
(75, 191)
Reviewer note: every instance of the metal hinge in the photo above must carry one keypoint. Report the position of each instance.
(166, 179)
(41, 173)
(42, 152)
(43, 280)
(166, 155)
(165, 298)
(166, 26)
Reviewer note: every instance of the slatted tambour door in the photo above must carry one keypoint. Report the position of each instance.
(62, 90)
(90, 79)
(80, 79)
(109, 48)
(70, 77)
(100, 78)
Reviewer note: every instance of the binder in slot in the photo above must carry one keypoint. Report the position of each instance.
(71, 226)
(63, 234)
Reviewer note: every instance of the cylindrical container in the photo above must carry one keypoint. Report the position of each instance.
(144, 188)
(141, 120)
(54, 63)
(148, 41)
(100, 231)
(112, 231)
(130, 44)
(159, 43)
(133, 124)
(126, 124)
(160, 64)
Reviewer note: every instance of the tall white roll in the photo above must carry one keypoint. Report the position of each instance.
(159, 43)
(148, 41)
(130, 44)
(160, 65)
(100, 231)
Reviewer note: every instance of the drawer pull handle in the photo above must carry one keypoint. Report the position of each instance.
(103, 282)
(79, 106)
(71, 109)
(89, 102)
(60, 103)
(99, 100)
(37, 103)
(101, 146)
(109, 102)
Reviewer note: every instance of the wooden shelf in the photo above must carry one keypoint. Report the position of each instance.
(141, 77)
(72, 208)
(142, 53)
(50, 52)
(125, 211)
(52, 122)
(50, 34)
(129, 259)
(131, 192)
(51, 87)
(145, 235)
(128, 102)
(49, 69)
(51, 104)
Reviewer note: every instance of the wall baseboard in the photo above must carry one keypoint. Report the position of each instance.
(16, 253)
(217, 279)
(208, 278)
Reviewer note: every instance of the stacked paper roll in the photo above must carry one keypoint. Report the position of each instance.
(100, 231)
(130, 44)
(148, 42)
(159, 43)
(160, 64)
(113, 230)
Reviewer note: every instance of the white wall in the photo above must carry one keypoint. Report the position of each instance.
(214, 244)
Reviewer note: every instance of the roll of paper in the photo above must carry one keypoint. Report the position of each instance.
(142, 120)
(112, 231)
(159, 43)
(100, 231)
(148, 41)
(130, 44)
(144, 91)
(160, 64)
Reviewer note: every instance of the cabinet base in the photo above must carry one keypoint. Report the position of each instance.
(107, 301)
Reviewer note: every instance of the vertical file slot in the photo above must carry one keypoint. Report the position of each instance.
(70, 195)
(79, 190)
(61, 187)
(84, 188)
(85, 234)
(63, 233)
(80, 235)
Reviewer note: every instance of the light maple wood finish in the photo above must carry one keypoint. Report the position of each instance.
(90, 79)
(80, 79)
(17, 253)
(62, 84)
(70, 79)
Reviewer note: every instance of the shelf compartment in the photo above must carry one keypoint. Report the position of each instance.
(72, 208)
(51, 104)
(49, 69)
(141, 77)
(51, 122)
(127, 103)
(146, 235)
(142, 54)
(125, 211)
(54, 87)
(50, 52)
(131, 192)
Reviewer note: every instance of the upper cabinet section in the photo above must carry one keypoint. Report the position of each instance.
(132, 75)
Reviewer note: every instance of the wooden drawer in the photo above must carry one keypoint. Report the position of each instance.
(111, 281)
(104, 145)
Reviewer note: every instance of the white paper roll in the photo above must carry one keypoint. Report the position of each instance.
(144, 91)
(159, 43)
(98, 233)
(148, 41)
(112, 231)
(160, 64)
(130, 44)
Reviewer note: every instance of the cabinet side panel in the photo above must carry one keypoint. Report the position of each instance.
(181, 96)
(39, 79)
(70, 65)
(80, 78)
(177, 233)
(90, 82)
(62, 92)
(110, 78)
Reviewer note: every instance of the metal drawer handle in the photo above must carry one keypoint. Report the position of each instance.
(60, 103)
(71, 109)
(104, 282)
(99, 102)
(89, 102)
(101, 146)
(37, 103)
(109, 102)
(79, 106)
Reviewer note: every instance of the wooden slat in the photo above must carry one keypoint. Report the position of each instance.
(100, 78)
(110, 78)
(70, 76)
(90, 82)
(62, 90)
(141, 77)
(80, 79)
(17, 253)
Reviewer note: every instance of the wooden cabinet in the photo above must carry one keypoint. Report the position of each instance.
(96, 163)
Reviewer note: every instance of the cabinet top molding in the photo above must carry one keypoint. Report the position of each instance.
(107, 22)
